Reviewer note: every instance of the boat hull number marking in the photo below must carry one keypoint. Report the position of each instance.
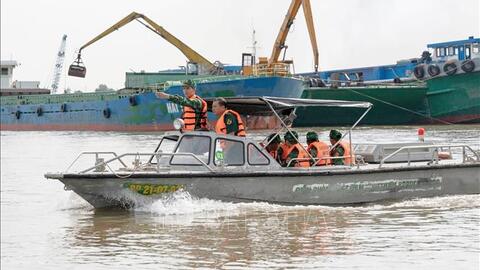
(151, 189)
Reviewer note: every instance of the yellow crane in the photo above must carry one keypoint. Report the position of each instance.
(78, 69)
(280, 67)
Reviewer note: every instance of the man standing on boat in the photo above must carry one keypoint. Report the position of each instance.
(340, 149)
(229, 121)
(317, 149)
(194, 107)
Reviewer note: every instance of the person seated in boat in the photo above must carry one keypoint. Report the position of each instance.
(293, 155)
(282, 150)
(274, 142)
(342, 149)
(317, 149)
(194, 107)
(229, 121)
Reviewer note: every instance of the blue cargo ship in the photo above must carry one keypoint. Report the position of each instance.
(403, 70)
(135, 108)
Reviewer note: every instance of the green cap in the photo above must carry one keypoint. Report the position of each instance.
(291, 137)
(312, 136)
(189, 83)
(274, 138)
(335, 134)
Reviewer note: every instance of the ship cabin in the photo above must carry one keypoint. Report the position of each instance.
(455, 50)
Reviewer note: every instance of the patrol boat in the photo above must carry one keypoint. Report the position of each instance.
(234, 169)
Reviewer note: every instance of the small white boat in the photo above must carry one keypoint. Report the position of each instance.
(231, 168)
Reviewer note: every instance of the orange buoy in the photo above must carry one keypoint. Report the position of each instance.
(444, 155)
(421, 134)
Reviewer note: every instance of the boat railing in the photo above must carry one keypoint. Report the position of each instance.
(101, 164)
(97, 158)
(317, 160)
(279, 69)
(436, 149)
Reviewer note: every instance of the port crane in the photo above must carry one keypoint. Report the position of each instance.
(204, 66)
(273, 65)
(57, 70)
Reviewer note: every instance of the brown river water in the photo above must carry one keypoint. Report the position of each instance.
(45, 227)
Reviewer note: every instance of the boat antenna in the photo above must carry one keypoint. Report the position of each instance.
(254, 46)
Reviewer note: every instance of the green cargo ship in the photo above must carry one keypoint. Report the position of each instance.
(442, 89)
(441, 100)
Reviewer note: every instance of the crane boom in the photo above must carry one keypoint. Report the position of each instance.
(57, 70)
(307, 11)
(285, 28)
(192, 56)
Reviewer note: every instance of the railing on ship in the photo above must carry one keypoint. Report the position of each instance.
(276, 69)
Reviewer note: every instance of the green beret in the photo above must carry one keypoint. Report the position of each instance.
(335, 134)
(291, 137)
(274, 138)
(312, 136)
(189, 83)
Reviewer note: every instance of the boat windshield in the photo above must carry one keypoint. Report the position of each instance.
(167, 145)
(195, 144)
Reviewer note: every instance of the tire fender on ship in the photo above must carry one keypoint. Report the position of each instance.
(450, 68)
(433, 70)
(419, 71)
(468, 66)
(107, 113)
(133, 100)
(18, 114)
(39, 111)
(63, 108)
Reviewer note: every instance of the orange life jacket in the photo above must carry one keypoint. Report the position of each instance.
(322, 152)
(284, 147)
(221, 128)
(273, 153)
(349, 158)
(303, 157)
(189, 115)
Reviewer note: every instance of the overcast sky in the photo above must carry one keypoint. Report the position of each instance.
(350, 33)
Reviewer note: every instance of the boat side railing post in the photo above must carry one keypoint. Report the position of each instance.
(463, 155)
(408, 152)
(351, 148)
(351, 129)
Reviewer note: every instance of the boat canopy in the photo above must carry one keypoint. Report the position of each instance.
(265, 105)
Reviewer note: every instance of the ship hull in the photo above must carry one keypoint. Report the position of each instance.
(391, 106)
(455, 99)
(115, 111)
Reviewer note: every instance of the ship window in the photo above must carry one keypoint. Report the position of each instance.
(467, 52)
(476, 48)
(197, 145)
(450, 50)
(256, 157)
(229, 152)
(4, 71)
